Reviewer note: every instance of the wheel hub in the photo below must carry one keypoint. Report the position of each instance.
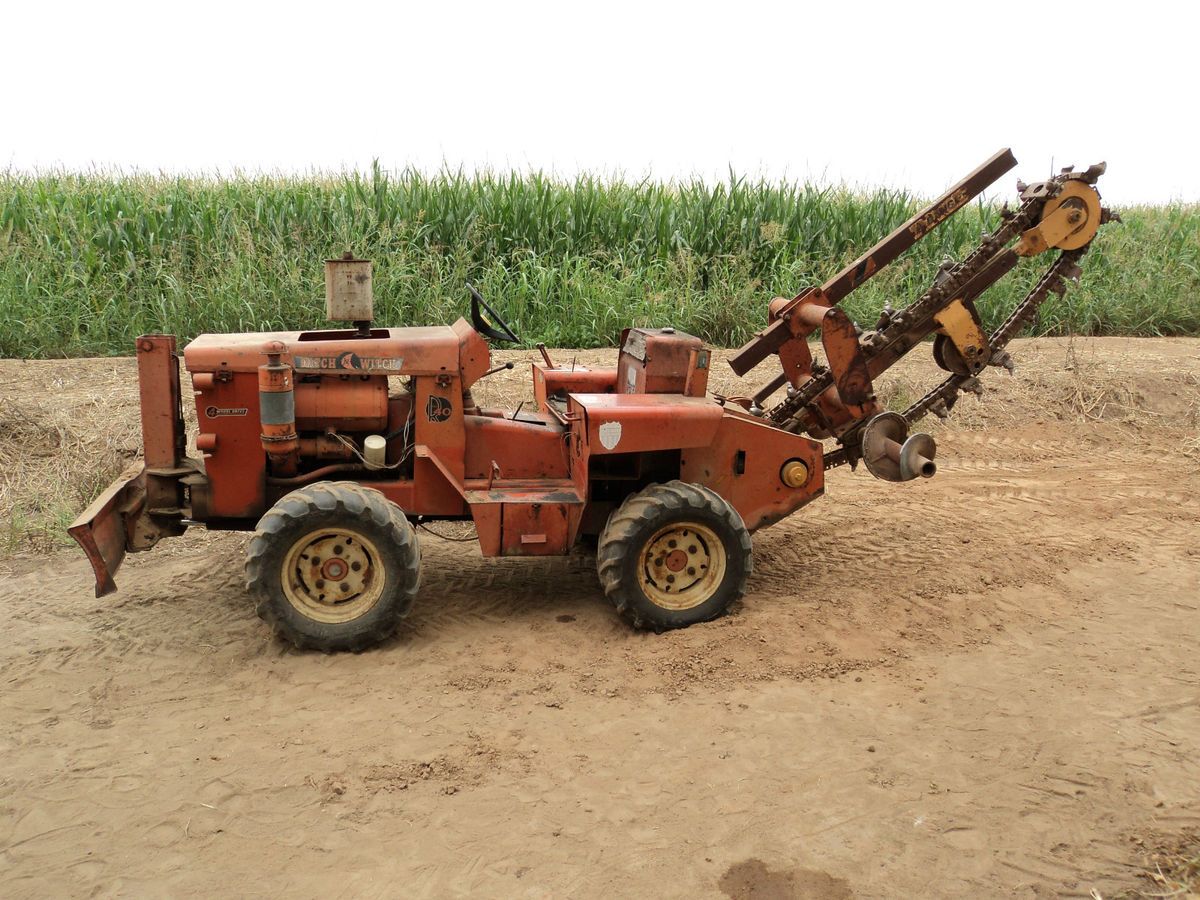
(334, 569)
(682, 565)
(333, 575)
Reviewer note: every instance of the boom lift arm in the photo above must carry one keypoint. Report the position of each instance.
(837, 399)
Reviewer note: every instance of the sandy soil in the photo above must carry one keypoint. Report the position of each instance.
(985, 684)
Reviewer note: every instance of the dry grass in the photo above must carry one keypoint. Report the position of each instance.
(61, 442)
(68, 428)
(1171, 866)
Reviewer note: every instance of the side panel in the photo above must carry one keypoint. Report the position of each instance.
(744, 464)
(474, 355)
(633, 423)
(487, 518)
(439, 433)
(234, 461)
(535, 529)
(518, 449)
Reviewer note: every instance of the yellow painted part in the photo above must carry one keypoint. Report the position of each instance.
(960, 326)
(1068, 222)
(795, 474)
(333, 575)
(1089, 200)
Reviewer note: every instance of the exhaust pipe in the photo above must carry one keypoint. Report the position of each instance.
(277, 412)
(891, 454)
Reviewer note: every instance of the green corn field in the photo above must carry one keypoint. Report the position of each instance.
(88, 262)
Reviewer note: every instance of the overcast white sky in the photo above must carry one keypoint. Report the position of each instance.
(911, 94)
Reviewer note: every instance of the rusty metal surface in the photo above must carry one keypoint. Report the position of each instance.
(158, 388)
(164, 443)
(552, 381)
(746, 461)
(882, 254)
(887, 250)
(348, 292)
(636, 423)
(816, 405)
(102, 529)
(311, 402)
(355, 404)
(388, 351)
(537, 529)
(659, 361)
(892, 454)
(532, 448)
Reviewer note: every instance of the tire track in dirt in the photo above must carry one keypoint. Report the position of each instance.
(1023, 701)
(804, 579)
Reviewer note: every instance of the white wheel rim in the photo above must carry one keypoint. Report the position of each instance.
(682, 565)
(333, 575)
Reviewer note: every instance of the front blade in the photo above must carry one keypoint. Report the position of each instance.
(101, 528)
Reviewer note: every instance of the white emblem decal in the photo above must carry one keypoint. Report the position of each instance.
(610, 434)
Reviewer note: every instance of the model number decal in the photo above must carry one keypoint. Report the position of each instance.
(348, 361)
(216, 412)
(938, 214)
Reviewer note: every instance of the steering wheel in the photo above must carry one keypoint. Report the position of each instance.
(499, 331)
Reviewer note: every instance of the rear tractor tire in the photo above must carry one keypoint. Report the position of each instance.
(334, 566)
(673, 555)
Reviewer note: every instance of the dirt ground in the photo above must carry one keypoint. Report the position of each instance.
(984, 684)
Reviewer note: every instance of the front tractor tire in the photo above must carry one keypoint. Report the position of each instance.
(673, 555)
(334, 567)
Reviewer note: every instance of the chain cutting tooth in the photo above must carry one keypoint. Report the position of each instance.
(897, 330)
(1003, 359)
(949, 282)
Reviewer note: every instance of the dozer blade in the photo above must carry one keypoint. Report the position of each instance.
(102, 529)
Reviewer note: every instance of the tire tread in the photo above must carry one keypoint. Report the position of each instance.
(618, 543)
(356, 501)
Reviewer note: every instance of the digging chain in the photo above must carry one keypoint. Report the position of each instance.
(1065, 268)
(941, 398)
(924, 307)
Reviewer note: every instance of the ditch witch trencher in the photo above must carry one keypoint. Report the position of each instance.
(328, 444)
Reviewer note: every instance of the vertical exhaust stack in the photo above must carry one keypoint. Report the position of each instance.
(277, 411)
(348, 294)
